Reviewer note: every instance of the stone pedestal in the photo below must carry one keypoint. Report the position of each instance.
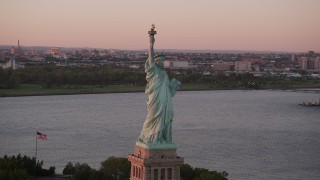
(155, 164)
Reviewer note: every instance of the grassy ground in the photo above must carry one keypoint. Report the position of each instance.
(294, 84)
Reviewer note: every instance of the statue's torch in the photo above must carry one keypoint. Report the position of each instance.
(152, 32)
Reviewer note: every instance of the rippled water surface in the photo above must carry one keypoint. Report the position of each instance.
(249, 134)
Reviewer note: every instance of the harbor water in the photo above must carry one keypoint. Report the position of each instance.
(251, 134)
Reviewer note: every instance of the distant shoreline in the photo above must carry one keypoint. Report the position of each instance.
(58, 94)
(80, 91)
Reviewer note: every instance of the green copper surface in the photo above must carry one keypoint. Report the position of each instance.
(157, 128)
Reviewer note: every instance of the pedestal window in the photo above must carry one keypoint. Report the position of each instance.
(169, 173)
(155, 174)
(163, 174)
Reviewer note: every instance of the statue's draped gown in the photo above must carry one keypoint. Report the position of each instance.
(157, 126)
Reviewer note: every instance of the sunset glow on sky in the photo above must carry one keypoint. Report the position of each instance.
(273, 25)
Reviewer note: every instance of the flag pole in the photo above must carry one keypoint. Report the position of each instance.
(35, 166)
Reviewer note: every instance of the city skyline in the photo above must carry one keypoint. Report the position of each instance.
(287, 25)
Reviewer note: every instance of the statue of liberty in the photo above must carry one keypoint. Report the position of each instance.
(158, 124)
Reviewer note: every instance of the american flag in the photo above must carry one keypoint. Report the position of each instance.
(41, 136)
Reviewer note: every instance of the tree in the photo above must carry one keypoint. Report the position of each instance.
(186, 172)
(118, 168)
(17, 167)
(69, 169)
(82, 171)
(189, 173)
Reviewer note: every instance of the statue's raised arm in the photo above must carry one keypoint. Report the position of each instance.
(152, 32)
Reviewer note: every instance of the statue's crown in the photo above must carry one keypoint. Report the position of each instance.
(159, 55)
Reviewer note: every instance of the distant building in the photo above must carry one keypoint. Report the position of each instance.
(256, 67)
(296, 75)
(75, 52)
(310, 53)
(315, 76)
(180, 64)
(85, 52)
(316, 64)
(10, 64)
(2, 55)
(293, 58)
(176, 64)
(303, 63)
(134, 66)
(311, 62)
(104, 52)
(166, 64)
(37, 58)
(32, 52)
(54, 51)
(94, 52)
(242, 66)
(221, 66)
(16, 50)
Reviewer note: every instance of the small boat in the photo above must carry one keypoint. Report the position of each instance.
(310, 103)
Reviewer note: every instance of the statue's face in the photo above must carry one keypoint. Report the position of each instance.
(159, 61)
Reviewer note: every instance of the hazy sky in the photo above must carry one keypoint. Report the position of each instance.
(280, 25)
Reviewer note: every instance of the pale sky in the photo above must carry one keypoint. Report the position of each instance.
(273, 25)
